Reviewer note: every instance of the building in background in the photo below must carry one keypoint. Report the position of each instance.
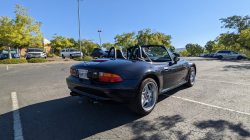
(46, 45)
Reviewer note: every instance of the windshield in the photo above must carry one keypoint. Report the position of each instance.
(11, 51)
(34, 50)
(157, 54)
(73, 50)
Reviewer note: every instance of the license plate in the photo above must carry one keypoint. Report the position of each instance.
(83, 74)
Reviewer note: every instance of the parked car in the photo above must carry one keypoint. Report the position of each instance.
(201, 55)
(132, 81)
(71, 53)
(5, 54)
(97, 52)
(106, 53)
(205, 55)
(211, 55)
(35, 53)
(229, 54)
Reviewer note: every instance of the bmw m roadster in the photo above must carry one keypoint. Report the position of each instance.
(136, 80)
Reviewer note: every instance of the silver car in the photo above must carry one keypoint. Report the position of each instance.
(35, 53)
(229, 54)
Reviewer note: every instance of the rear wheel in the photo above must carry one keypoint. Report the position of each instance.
(191, 77)
(146, 97)
(220, 57)
(239, 57)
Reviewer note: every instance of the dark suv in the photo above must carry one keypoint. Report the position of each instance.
(97, 52)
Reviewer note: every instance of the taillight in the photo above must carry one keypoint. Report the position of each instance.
(215, 54)
(73, 72)
(109, 77)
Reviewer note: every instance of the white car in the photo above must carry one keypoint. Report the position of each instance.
(71, 53)
(229, 54)
(35, 53)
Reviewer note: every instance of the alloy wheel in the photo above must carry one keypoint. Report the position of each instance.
(149, 95)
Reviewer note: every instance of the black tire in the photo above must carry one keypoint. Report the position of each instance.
(27, 58)
(63, 57)
(136, 105)
(190, 82)
(220, 57)
(71, 57)
(45, 57)
(239, 57)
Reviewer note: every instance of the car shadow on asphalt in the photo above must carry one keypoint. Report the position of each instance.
(75, 118)
(212, 59)
(236, 67)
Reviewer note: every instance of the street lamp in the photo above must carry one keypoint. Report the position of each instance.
(100, 37)
(79, 30)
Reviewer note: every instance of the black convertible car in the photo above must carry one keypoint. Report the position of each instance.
(136, 80)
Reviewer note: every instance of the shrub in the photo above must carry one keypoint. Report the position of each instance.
(37, 60)
(84, 59)
(66, 60)
(13, 61)
(50, 55)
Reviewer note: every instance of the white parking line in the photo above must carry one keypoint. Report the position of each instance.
(17, 125)
(208, 105)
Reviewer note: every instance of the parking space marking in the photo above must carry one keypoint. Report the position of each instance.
(208, 105)
(17, 125)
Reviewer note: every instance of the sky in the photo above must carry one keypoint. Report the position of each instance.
(187, 21)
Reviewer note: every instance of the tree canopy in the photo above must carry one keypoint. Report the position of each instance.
(21, 31)
(194, 49)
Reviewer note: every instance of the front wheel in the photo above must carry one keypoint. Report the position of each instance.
(239, 57)
(220, 57)
(191, 77)
(145, 98)
(63, 57)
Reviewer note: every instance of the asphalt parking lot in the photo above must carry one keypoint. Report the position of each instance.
(216, 107)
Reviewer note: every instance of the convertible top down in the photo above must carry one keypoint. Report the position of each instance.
(137, 80)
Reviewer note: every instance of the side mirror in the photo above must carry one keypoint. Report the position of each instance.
(176, 59)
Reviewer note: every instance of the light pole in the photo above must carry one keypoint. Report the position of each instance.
(100, 37)
(79, 30)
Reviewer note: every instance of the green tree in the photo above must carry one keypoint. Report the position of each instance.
(194, 49)
(108, 45)
(21, 30)
(236, 22)
(87, 46)
(125, 40)
(59, 42)
(209, 46)
(183, 52)
(244, 38)
(72, 40)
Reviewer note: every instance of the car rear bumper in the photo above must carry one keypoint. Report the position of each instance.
(123, 92)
